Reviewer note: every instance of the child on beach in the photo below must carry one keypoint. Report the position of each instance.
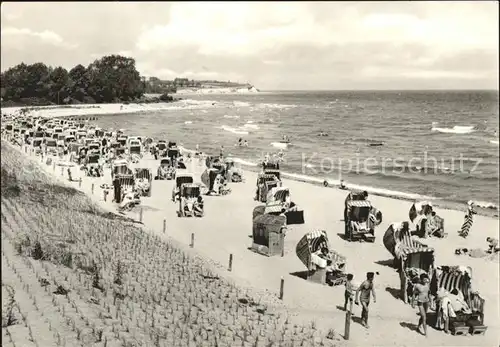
(421, 293)
(349, 290)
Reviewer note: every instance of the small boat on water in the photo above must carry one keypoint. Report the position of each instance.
(376, 144)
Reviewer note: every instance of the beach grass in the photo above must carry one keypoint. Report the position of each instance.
(76, 275)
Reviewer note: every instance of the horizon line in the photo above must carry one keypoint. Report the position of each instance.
(380, 90)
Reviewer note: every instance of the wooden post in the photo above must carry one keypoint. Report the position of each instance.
(347, 328)
(230, 268)
(164, 226)
(105, 192)
(140, 215)
(92, 188)
(404, 282)
(192, 240)
(282, 285)
(282, 245)
(62, 171)
(54, 166)
(309, 268)
(80, 183)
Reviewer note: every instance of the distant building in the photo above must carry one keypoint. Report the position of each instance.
(181, 82)
(156, 85)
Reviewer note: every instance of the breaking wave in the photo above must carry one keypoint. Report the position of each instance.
(457, 129)
(234, 130)
(280, 145)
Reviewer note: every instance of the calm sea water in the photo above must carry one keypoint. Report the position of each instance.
(421, 152)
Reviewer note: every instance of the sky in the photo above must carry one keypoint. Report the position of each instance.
(273, 45)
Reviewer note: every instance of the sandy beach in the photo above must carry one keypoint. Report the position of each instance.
(87, 110)
(227, 225)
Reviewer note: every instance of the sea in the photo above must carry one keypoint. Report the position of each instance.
(439, 145)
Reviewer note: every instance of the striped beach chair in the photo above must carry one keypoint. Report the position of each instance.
(451, 278)
(408, 254)
(408, 246)
(311, 243)
(275, 201)
(476, 322)
(357, 221)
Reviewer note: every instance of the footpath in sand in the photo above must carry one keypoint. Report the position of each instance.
(227, 225)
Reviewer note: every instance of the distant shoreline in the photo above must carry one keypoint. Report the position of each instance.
(89, 110)
(218, 91)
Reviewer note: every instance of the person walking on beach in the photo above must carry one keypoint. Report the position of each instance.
(468, 220)
(363, 292)
(222, 151)
(421, 293)
(349, 290)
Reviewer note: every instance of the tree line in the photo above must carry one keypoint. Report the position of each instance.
(111, 79)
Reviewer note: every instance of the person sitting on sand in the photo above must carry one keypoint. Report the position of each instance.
(240, 142)
(457, 302)
(143, 185)
(323, 253)
(435, 225)
(130, 199)
(245, 143)
(492, 245)
(444, 310)
(342, 185)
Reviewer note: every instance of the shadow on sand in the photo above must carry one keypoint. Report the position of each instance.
(300, 274)
(396, 293)
(388, 263)
(342, 236)
(357, 320)
(411, 326)
(340, 308)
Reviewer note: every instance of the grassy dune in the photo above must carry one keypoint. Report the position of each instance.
(73, 275)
